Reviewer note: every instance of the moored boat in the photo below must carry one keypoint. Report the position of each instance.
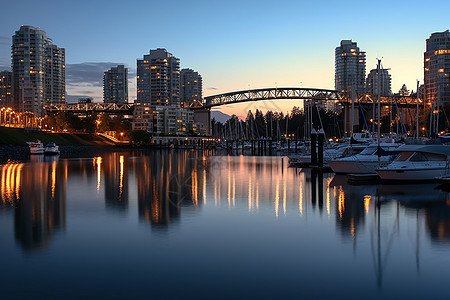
(367, 161)
(417, 163)
(51, 149)
(36, 147)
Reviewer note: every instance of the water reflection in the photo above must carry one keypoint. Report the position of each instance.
(37, 192)
(168, 181)
(115, 170)
(165, 183)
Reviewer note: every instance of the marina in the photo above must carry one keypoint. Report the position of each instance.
(243, 220)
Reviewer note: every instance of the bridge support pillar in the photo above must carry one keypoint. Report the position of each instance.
(348, 119)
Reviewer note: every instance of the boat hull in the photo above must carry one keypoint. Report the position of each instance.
(37, 151)
(417, 174)
(354, 167)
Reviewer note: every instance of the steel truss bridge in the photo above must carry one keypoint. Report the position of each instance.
(247, 96)
(116, 108)
(301, 93)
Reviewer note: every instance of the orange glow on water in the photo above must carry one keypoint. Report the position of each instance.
(300, 199)
(204, 186)
(328, 198)
(10, 182)
(98, 163)
(121, 159)
(229, 189)
(341, 205)
(53, 178)
(367, 199)
(277, 196)
(284, 196)
(234, 190)
(250, 194)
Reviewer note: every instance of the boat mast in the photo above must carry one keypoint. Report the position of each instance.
(417, 111)
(379, 107)
(353, 110)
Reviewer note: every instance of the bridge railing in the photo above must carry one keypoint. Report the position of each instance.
(84, 107)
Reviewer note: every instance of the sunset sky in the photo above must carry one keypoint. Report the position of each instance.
(234, 45)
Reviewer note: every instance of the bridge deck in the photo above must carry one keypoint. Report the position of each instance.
(247, 96)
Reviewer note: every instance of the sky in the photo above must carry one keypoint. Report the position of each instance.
(234, 45)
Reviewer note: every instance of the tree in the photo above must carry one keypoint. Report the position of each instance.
(404, 91)
(140, 137)
(105, 123)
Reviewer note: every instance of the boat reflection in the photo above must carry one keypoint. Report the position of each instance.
(164, 183)
(428, 199)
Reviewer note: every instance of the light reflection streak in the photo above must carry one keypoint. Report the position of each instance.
(53, 178)
(367, 199)
(10, 182)
(17, 183)
(300, 199)
(277, 196)
(284, 195)
(98, 162)
(328, 197)
(250, 194)
(204, 186)
(215, 192)
(234, 190)
(194, 187)
(121, 158)
(341, 206)
(229, 189)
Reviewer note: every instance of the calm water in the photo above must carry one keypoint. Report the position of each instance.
(180, 224)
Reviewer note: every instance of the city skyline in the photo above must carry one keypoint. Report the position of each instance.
(255, 46)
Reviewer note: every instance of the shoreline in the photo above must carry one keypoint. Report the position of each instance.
(16, 153)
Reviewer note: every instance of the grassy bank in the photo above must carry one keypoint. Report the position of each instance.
(19, 136)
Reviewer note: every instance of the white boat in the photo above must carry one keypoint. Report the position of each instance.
(417, 163)
(36, 147)
(365, 162)
(445, 138)
(51, 149)
(339, 151)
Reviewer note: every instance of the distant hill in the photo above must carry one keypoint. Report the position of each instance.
(219, 116)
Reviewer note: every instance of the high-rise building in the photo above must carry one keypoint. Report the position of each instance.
(5, 88)
(350, 67)
(191, 86)
(55, 75)
(115, 85)
(158, 78)
(38, 69)
(382, 78)
(437, 67)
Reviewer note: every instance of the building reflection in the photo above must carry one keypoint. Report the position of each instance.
(37, 191)
(352, 204)
(168, 181)
(115, 172)
(437, 220)
(434, 203)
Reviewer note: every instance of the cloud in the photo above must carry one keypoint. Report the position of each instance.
(4, 67)
(89, 73)
(212, 88)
